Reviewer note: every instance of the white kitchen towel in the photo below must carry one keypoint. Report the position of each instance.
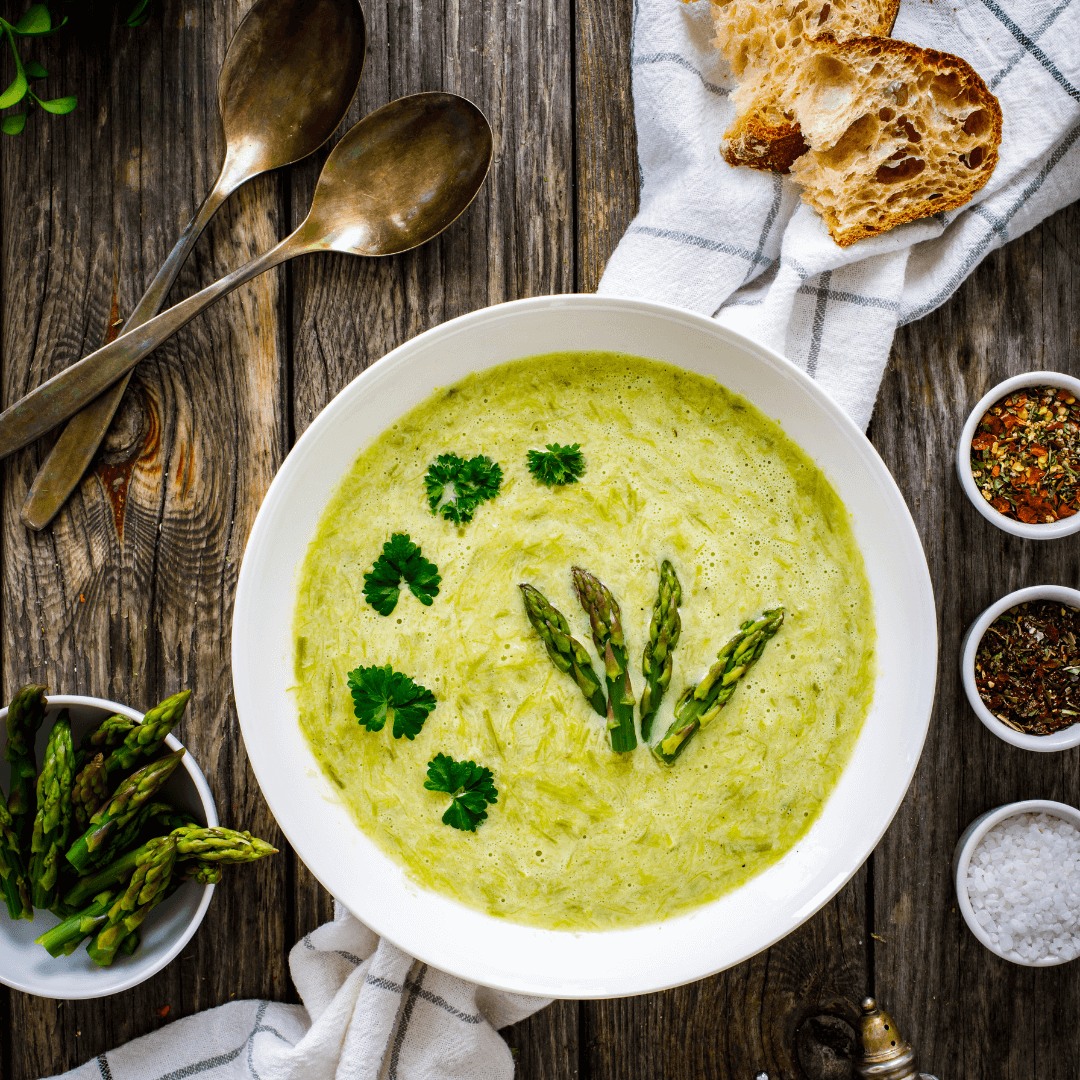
(370, 1012)
(740, 245)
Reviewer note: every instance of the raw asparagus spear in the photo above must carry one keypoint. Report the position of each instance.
(64, 938)
(146, 739)
(219, 845)
(698, 705)
(89, 790)
(657, 659)
(15, 883)
(107, 734)
(205, 848)
(25, 714)
(138, 789)
(145, 890)
(151, 819)
(52, 823)
(566, 652)
(605, 617)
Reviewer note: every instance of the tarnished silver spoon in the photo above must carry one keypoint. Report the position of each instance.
(289, 74)
(397, 179)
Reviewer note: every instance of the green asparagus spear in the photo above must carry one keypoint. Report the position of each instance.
(151, 819)
(146, 889)
(89, 790)
(130, 944)
(107, 734)
(205, 848)
(146, 739)
(567, 653)
(13, 879)
(698, 705)
(605, 617)
(52, 823)
(219, 845)
(25, 714)
(138, 789)
(657, 659)
(64, 938)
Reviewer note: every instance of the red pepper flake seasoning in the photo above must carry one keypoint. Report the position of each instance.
(1025, 456)
(1027, 667)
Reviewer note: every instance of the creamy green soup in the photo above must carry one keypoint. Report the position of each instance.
(677, 467)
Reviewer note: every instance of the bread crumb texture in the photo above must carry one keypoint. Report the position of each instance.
(767, 43)
(895, 132)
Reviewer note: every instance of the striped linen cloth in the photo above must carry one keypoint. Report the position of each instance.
(740, 245)
(370, 1012)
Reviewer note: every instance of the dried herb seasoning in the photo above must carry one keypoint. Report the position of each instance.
(1025, 455)
(1027, 667)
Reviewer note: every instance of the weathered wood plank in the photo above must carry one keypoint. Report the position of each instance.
(968, 1013)
(129, 594)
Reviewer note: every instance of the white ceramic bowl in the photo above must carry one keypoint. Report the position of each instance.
(498, 952)
(1049, 531)
(1059, 740)
(168, 928)
(969, 841)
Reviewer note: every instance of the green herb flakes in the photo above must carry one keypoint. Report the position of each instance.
(557, 464)
(381, 694)
(401, 559)
(456, 487)
(471, 788)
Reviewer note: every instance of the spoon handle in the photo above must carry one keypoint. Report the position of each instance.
(65, 394)
(75, 449)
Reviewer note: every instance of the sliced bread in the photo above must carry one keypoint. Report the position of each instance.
(765, 42)
(895, 132)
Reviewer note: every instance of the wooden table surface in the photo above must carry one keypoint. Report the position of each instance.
(129, 595)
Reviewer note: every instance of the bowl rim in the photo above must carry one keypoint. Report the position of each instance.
(965, 848)
(261, 539)
(1064, 739)
(1048, 531)
(136, 975)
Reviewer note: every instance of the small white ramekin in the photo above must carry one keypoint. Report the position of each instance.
(969, 841)
(1049, 531)
(168, 928)
(1059, 740)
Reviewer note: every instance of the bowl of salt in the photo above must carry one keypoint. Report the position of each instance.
(1017, 875)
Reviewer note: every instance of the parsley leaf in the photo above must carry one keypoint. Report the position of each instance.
(400, 558)
(471, 787)
(381, 693)
(456, 487)
(559, 465)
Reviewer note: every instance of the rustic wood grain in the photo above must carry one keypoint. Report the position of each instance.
(129, 595)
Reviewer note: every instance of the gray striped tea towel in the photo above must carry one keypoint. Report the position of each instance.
(370, 1012)
(740, 245)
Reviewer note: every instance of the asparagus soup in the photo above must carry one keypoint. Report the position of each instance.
(418, 655)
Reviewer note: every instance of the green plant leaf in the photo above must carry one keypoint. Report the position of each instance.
(13, 125)
(381, 693)
(139, 14)
(58, 106)
(17, 90)
(456, 487)
(400, 558)
(558, 465)
(471, 788)
(35, 71)
(36, 21)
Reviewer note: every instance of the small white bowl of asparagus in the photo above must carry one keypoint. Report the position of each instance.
(110, 845)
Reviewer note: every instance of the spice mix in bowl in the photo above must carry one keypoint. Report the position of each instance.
(1020, 664)
(1019, 455)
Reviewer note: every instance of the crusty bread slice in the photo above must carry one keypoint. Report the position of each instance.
(896, 132)
(765, 42)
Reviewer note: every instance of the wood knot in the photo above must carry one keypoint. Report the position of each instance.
(826, 1046)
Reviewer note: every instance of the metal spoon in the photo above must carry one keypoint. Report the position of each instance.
(289, 74)
(397, 179)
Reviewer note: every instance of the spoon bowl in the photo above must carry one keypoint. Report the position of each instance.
(400, 177)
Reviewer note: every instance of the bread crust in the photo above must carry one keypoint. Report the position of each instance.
(890, 164)
(764, 41)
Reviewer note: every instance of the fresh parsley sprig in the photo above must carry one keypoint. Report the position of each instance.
(400, 559)
(456, 487)
(471, 788)
(380, 694)
(557, 465)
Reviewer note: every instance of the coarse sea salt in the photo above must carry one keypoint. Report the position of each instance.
(1024, 886)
